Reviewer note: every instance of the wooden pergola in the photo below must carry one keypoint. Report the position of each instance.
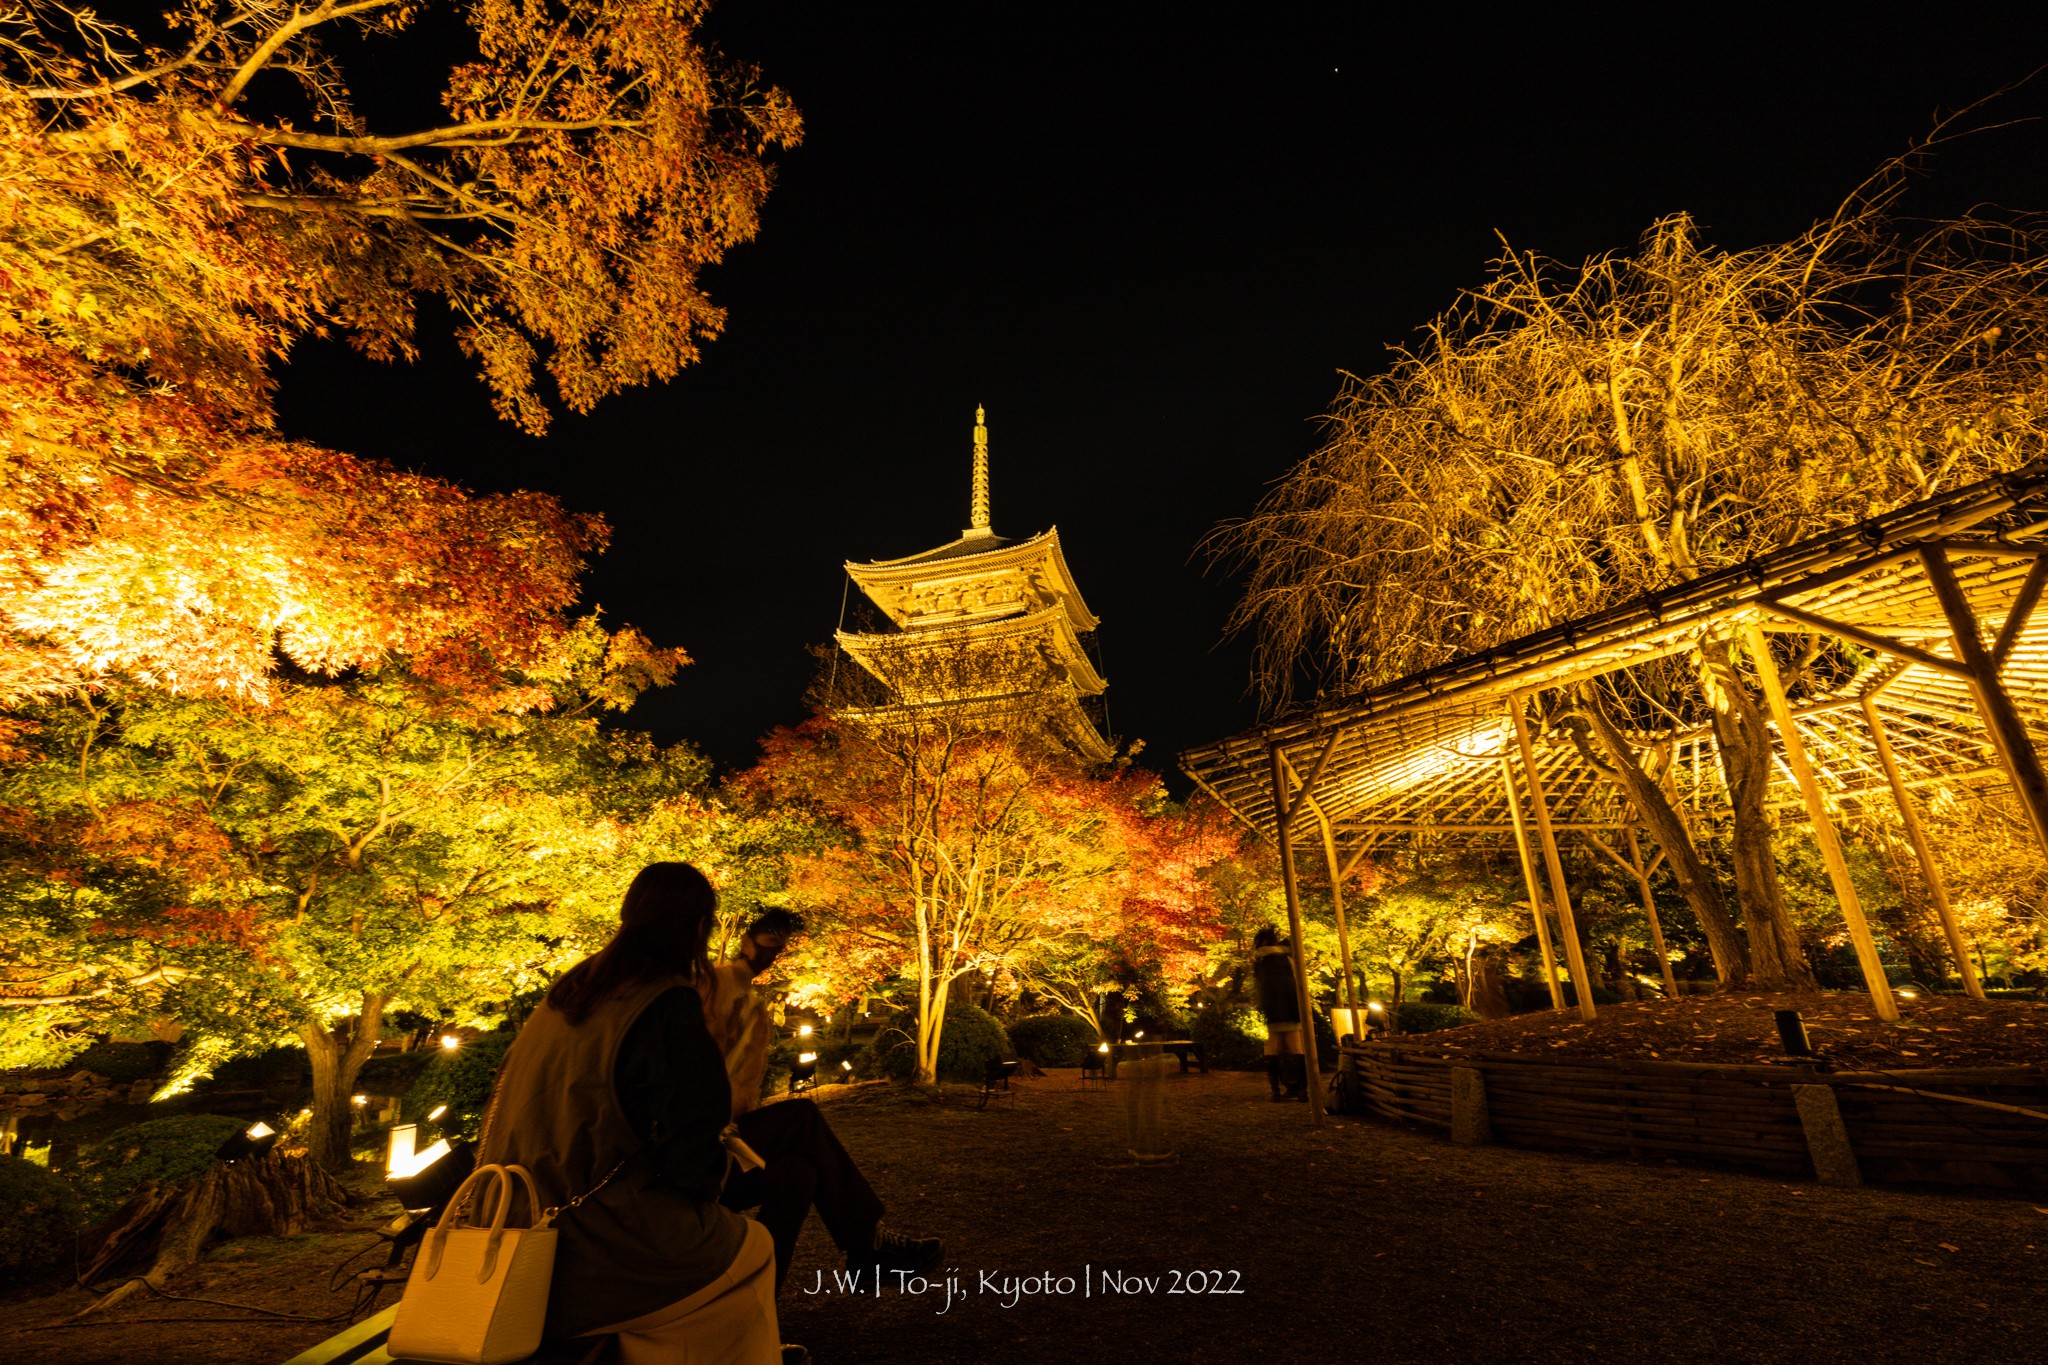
(1939, 596)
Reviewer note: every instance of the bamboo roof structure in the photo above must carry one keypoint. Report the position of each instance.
(1424, 755)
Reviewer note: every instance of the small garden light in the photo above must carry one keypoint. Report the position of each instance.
(846, 1066)
(1136, 1036)
(254, 1141)
(358, 1099)
(803, 1031)
(450, 1041)
(1909, 995)
(804, 1073)
(434, 1114)
(1103, 1049)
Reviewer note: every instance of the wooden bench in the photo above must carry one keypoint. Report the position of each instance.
(362, 1344)
(1183, 1048)
(365, 1342)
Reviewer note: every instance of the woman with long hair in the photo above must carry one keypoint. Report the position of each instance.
(1280, 1006)
(615, 1097)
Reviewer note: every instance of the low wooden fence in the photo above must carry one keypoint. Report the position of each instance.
(1952, 1126)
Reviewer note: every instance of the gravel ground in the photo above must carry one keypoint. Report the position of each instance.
(1355, 1242)
(1933, 1031)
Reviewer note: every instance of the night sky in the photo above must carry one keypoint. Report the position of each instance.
(1148, 238)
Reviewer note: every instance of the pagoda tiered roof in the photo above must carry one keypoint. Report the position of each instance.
(980, 576)
(986, 628)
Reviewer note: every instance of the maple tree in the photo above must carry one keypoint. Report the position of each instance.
(177, 207)
(961, 849)
(1573, 436)
(293, 871)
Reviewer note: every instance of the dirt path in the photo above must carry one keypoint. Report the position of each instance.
(1359, 1243)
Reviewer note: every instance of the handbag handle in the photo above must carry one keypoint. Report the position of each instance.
(437, 1240)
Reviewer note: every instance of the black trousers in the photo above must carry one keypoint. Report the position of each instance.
(806, 1166)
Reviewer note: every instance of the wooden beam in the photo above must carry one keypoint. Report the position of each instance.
(1994, 704)
(1930, 871)
(1287, 810)
(1635, 854)
(1823, 828)
(1307, 1003)
(1561, 896)
(1884, 644)
(2022, 611)
(1337, 903)
(1536, 910)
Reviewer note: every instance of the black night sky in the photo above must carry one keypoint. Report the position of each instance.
(1148, 238)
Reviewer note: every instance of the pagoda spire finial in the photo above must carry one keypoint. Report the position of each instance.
(978, 521)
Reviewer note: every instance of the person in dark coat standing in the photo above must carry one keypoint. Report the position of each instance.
(1279, 1000)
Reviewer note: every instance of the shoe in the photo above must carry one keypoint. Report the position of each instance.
(894, 1251)
(795, 1355)
(1273, 1078)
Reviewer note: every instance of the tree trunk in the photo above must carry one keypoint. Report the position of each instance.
(337, 1056)
(1489, 994)
(1619, 979)
(274, 1196)
(1617, 761)
(1775, 960)
(930, 1030)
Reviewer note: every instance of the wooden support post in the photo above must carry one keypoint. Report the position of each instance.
(2008, 733)
(1536, 910)
(1561, 897)
(1827, 1137)
(1284, 817)
(1337, 902)
(1471, 1125)
(1823, 827)
(1930, 871)
(1635, 857)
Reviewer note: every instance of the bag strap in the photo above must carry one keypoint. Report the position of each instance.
(548, 1215)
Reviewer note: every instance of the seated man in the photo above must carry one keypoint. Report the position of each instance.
(805, 1163)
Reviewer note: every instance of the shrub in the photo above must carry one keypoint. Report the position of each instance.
(460, 1078)
(1422, 1016)
(124, 1063)
(106, 1173)
(394, 1073)
(970, 1039)
(1231, 1039)
(278, 1066)
(38, 1214)
(1053, 1039)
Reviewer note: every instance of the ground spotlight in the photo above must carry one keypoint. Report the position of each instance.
(450, 1041)
(804, 1074)
(254, 1141)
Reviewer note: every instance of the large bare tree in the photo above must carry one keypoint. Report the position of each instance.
(1569, 437)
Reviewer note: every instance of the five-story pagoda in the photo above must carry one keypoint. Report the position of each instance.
(985, 628)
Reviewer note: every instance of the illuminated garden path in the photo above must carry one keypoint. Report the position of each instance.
(1366, 1242)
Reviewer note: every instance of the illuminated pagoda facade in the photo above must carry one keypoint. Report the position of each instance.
(986, 628)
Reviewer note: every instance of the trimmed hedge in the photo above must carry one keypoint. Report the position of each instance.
(460, 1078)
(1422, 1016)
(106, 1173)
(38, 1214)
(1053, 1039)
(970, 1039)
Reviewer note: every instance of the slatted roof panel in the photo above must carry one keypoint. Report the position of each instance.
(1423, 755)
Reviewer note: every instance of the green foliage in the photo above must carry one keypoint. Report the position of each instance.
(161, 1150)
(1418, 1016)
(462, 1080)
(971, 1038)
(394, 1073)
(38, 1213)
(273, 1066)
(1053, 1039)
(124, 1063)
(1231, 1039)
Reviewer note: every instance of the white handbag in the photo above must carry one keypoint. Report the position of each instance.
(478, 1295)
